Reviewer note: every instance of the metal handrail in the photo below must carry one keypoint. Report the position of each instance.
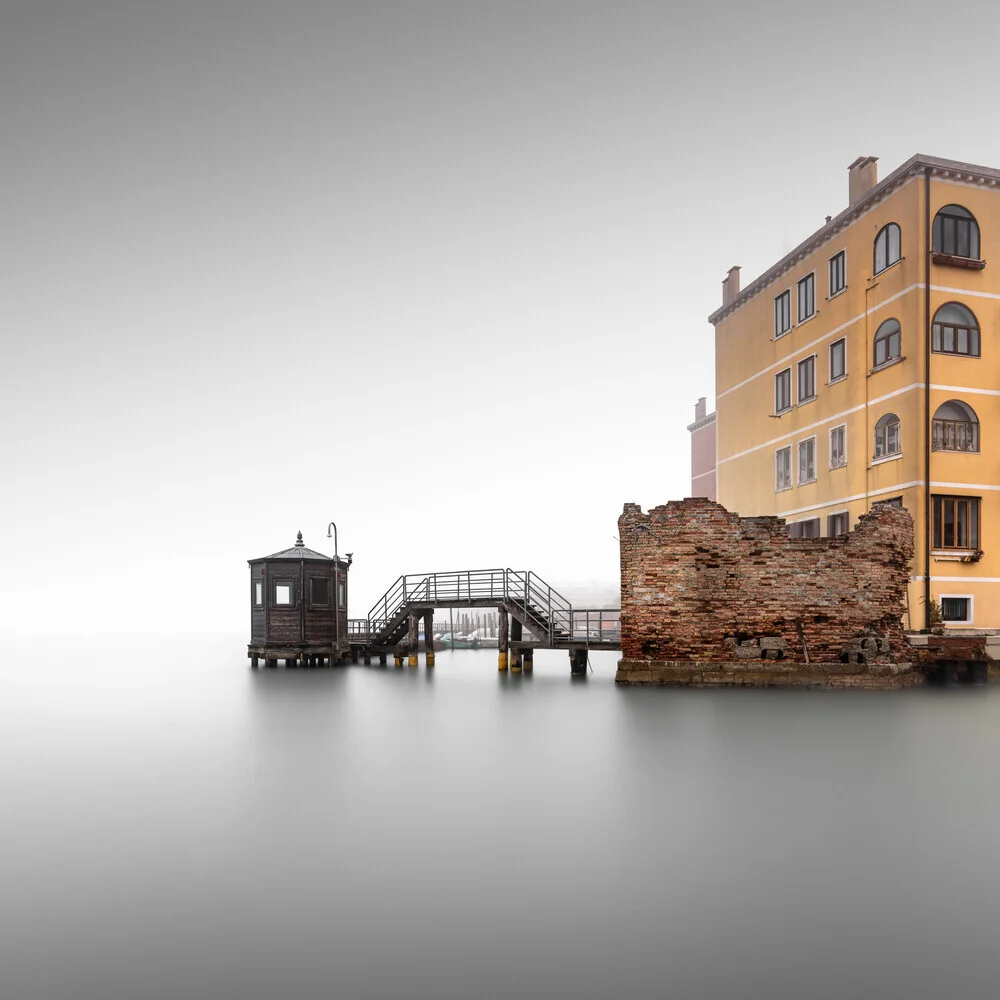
(539, 603)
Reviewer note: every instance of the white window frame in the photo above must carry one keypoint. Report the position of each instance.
(788, 485)
(781, 333)
(836, 513)
(831, 378)
(788, 372)
(970, 614)
(887, 456)
(808, 520)
(843, 464)
(800, 319)
(798, 378)
(831, 294)
(798, 452)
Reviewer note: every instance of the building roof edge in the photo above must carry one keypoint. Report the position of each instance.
(939, 165)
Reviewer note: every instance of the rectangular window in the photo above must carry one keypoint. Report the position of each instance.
(838, 524)
(804, 529)
(258, 593)
(283, 593)
(783, 468)
(956, 522)
(838, 276)
(807, 297)
(807, 379)
(342, 591)
(782, 313)
(838, 447)
(838, 360)
(783, 391)
(807, 460)
(319, 591)
(956, 609)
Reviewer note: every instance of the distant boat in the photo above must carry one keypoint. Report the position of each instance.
(458, 641)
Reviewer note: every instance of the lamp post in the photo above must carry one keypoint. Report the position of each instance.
(336, 589)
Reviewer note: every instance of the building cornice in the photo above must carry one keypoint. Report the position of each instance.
(704, 422)
(954, 170)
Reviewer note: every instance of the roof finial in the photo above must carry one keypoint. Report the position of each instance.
(298, 540)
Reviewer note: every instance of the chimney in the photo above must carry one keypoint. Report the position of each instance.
(862, 177)
(699, 410)
(731, 286)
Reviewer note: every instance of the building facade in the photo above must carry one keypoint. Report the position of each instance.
(861, 368)
(702, 452)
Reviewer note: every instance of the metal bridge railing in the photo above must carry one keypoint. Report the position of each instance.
(547, 610)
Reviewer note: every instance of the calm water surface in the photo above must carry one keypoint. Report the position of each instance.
(176, 828)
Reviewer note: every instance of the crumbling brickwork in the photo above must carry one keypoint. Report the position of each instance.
(700, 584)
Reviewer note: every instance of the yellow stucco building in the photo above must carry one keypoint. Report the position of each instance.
(863, 367)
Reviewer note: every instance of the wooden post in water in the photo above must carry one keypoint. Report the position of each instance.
(429, 637)
(412, 638)
(578, 662)
(502, 642)
(515, 654)
(529, 660)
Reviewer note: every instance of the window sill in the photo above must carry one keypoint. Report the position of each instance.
(806, 482)
(839, 378)
(808, 319)
(783, 489)
(781, 413)
(888, 267)
(778, 336)
(887, 364)
(808, 399)
(886, 458)
(956, 555)
(957, 354)
(835, 295)
(953, 260)
(843, 465)
(955, 451)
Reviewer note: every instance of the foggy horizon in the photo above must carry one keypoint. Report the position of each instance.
(438, 272)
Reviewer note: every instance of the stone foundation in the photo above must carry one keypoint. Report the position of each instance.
(771, 673)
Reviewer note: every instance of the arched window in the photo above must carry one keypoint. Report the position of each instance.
(887, 342)
(887, 436)
(955, 232)
(955, 330)
(955, 427)
(887, 244)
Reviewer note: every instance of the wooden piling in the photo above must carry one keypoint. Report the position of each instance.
(429, 637)
(515, 636)
(502, 639)
(412, 638)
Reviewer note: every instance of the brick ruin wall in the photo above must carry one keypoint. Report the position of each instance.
(702, 584)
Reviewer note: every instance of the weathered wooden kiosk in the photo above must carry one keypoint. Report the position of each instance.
(298, 608)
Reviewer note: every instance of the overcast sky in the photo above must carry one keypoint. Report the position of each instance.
(439, 272)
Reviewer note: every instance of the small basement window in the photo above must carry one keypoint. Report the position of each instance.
(283, 593)
(956, 609)
(320, 590)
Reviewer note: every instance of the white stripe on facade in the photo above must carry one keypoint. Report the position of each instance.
(820, 423)
(964, 291)
(858, 496)
(784, 362)
(888, 489)
(965, 388)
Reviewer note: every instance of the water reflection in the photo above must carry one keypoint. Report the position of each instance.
(198, 828)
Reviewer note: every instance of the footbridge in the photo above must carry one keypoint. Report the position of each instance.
(532, 615)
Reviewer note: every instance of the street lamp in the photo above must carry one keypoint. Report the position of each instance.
(336, 588)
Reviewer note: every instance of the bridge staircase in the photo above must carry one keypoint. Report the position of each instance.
(549, 618)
